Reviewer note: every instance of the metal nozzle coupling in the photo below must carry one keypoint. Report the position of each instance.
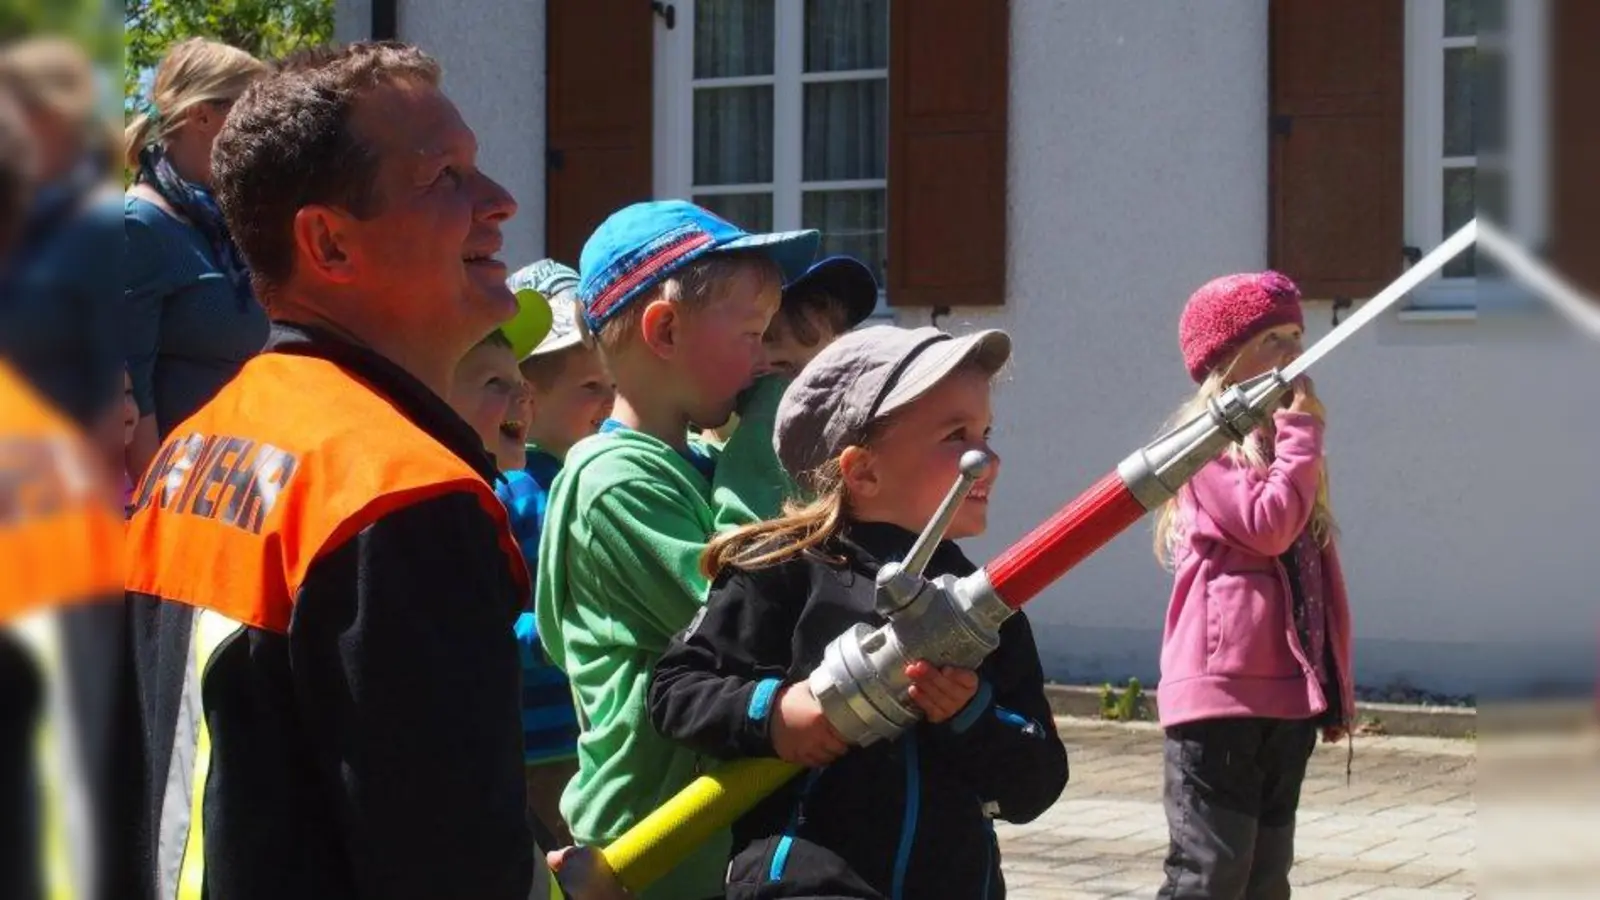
(900, 582)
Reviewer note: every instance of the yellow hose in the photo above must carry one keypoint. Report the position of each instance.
(709, 804)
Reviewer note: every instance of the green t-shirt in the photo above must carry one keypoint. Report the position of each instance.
(750, 484)
(619, 576)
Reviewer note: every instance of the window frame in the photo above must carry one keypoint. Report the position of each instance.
(673, 137)
(1424, 160)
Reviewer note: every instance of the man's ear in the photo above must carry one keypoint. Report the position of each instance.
(860, 470)
(322, 235)
(659, 326)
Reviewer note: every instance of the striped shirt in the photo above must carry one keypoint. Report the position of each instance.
(549, 719)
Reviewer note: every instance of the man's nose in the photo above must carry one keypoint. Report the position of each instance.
(496, 204)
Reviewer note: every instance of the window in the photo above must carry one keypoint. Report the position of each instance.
(1474, 138)
(774, 114)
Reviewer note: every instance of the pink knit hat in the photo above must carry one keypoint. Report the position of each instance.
(1225, 313)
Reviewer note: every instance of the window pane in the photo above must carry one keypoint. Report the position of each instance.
(752, 212)
(846, 132)
(1460, 205)
(733, 135)
(852, 224)
(1459, 138)
(842, 35)
(1460, 18)
(733, 37)
(1491, 16)
(1489, 102)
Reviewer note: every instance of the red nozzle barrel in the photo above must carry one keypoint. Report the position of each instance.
(1065, 539)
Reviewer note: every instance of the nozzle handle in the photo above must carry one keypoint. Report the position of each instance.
(973, 464)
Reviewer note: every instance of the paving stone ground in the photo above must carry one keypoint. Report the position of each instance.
(1405, 826)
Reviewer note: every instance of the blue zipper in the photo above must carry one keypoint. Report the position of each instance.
(780, 856)
(1027, 726)
(988, 858)
(908, 828)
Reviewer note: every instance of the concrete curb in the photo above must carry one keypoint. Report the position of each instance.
(1083, 701)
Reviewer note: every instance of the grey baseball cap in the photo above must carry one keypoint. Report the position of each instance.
(863, 377)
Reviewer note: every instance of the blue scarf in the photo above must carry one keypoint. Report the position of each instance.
(199, 206)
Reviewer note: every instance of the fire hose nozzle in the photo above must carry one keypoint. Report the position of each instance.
(861, 683)
(1156, 471)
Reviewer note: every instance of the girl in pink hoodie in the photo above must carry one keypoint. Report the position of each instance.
(1255, 655)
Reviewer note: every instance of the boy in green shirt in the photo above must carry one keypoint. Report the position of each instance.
(678, 300)
(831, 298)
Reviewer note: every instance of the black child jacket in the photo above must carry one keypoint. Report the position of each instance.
(906, 819)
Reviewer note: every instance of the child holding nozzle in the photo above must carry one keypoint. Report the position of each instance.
(874, 429)
(1255, 657)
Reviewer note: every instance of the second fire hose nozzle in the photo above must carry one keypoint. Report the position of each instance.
(1156, 471)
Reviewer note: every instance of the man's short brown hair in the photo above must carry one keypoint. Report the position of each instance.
(288, 144)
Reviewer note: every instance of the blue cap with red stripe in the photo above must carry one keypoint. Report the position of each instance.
(639, 245)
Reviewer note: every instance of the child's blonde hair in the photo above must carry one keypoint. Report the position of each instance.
(1255, 451)
(695, 286)
(193, 72)
(807, 524)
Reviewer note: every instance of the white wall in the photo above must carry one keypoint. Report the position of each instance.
(1137, 171)
(493, 54)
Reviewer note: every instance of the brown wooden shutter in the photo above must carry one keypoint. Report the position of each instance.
(1335, 171)
(1574, 180)
(948, 75)
(599, 116)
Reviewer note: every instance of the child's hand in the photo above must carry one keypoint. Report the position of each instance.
(801, 734)
(585, 874)
(1305, 400)
(941, 693)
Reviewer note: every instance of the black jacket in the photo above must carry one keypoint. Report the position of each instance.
(907, 819)
(375, 750)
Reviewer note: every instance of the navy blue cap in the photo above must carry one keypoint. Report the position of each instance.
(639, 245)
(843, 277)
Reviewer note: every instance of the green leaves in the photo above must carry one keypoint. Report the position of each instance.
(266, 28)
(88, 22)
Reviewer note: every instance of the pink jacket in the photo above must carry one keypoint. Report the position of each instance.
(1230, 647)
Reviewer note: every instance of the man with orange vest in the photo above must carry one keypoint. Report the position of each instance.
(323, 581)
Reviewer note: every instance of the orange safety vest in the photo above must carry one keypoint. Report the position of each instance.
(292, 458)
(60, 535)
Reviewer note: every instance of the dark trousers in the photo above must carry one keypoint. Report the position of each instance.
(1231, 792)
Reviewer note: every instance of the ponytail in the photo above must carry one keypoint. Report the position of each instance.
(194, 71)
(138, 135)
(803, 527)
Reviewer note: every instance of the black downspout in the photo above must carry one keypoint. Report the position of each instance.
(384, 24)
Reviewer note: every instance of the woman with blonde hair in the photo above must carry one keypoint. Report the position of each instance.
(191, 317)
(1255, 656)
